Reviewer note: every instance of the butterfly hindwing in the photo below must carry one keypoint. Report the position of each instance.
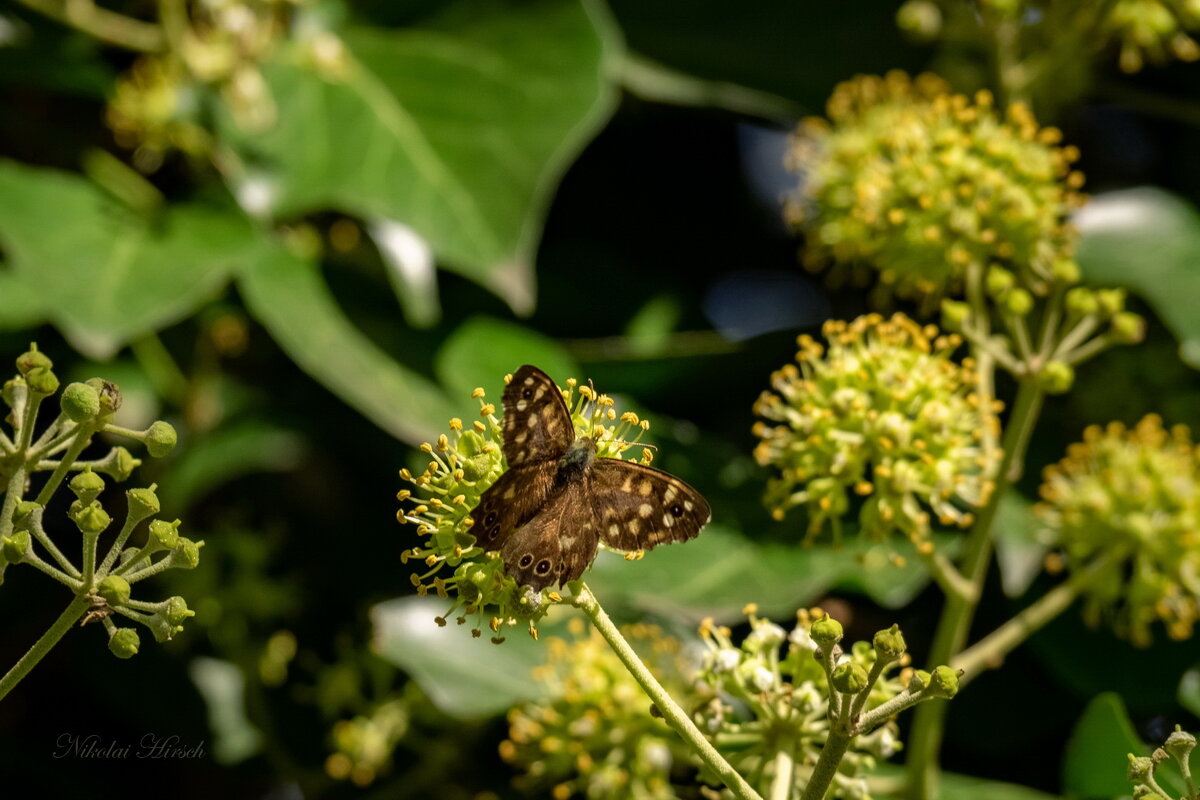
(510, 502)
(557, 544)
(536, 425)
(639, 507)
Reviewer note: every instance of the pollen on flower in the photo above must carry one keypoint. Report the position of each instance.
(1131, 497)
(884, 414)
(917, 184)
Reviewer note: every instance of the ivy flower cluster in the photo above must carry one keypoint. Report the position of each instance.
(158, 105)
(883, 414)
(1128, 500)
(771, 693)
(1152, 30)
(594, 735)
(102, 585)
(1142, 769)
(919, 184)
(461, 467)
(363, 746)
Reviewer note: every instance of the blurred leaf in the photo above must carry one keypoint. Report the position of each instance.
(459, 129)
(226, 454)
(1018, 550)
(223, 688)
(410, 270)
(652, 325)
(719, 572)
(483, 350)
(966, 787)
(101, 274)
(1149, 241)
(287, 295)
(1095, 760)
(1189, 691)
(448, 662)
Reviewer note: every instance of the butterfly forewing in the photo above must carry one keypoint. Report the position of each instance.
(639, 507)
(537, 425)
(556, 545)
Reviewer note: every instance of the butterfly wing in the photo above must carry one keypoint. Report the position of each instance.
(510, 502)
(557, 544)
(639, 507)
(537, 424)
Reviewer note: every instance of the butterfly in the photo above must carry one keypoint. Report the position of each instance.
(548, 512)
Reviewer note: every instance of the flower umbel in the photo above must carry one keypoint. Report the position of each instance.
(917, 183)
(882, 414)
(595, 735)
(462, 465)
(1131, 496)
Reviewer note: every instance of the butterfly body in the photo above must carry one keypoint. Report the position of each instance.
(558, 500)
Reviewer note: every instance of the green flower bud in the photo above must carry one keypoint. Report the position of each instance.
(955, 315)
(1111, 301)
(1018, 302)
(124, 643)
(919, 680)
(160, 439)
(143, 503)
(849, 678)
(109, 392)
(42, 381)
(91, 519)
(80, 402)
(1141, 768)
(186, 553)
(15, 546)
(164, 534)
(23, 514)
(999, 281)
(1057, 377)
(826, 632)
(1128, 328)
(889, 644)
(177, 611)
(14, 391)
(33, 359)
(944, 682)
(1180, 745)
(118, 464)
(87, 485)
(1066, 271)
(1080, 302)
(115, 590)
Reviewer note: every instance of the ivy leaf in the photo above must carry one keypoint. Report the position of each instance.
(101, 274)
(1018, 551)
(459, 129)
(1095, 761)
(1148, 240)
(286, 293)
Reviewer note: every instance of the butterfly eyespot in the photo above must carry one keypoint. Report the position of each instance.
(543, 567)
(525, 561)
(527, 393)
(490, 519)
(677, 510)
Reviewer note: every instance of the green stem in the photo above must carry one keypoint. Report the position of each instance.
(43, 645)
(83, 435)
(675, 716)
(836, 745)
(958, 612)
(12, 495)
(107, 26)
(652, 81)
(785, 772)
(990, 650)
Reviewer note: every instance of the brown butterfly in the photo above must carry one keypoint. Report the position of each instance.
(557, 500)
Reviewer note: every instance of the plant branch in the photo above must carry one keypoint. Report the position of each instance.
(43, 645)
(107, 26)
(675, 716)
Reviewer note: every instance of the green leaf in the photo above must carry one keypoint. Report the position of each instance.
(719, 572)
(1018, 551)
(226, 454)
(650, 328)
(954, 786)
(223, 688)
(1095, 760)
(460, 129)
(483, 350)
(101, 274)
(1148, 240)
(463, 676)
(287, 295)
